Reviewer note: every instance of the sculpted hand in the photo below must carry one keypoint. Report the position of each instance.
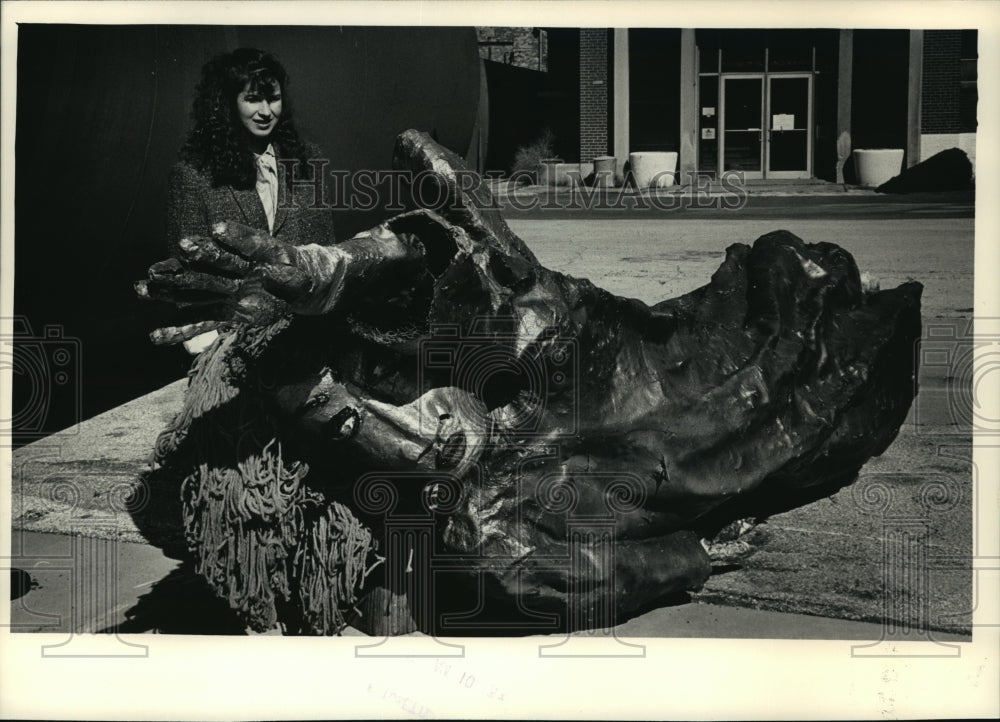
(236, 276)
(243, 276)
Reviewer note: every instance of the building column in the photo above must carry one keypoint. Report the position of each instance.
(593, 93)
(688, 151)
(915, 80)
(620, 117)
(845, 74)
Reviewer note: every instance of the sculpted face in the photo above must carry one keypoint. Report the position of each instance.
(259, 109)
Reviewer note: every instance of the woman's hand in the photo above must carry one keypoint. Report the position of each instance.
(236, 276)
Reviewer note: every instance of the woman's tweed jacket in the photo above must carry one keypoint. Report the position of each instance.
(194, 206)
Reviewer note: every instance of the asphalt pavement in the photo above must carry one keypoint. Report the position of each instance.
(660, 256)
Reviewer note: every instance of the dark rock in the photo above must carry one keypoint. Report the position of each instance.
(949, 170)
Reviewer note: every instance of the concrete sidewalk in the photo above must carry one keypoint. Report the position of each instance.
(149, 592)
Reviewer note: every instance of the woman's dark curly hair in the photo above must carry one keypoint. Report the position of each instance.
(217, 143)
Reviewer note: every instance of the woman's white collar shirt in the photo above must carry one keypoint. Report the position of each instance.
(267, 184)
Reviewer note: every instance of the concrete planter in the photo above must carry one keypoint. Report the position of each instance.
(653, 169)
(877, 165)
(604, 170)
(558, 174)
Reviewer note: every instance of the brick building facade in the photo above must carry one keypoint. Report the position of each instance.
(948, 97)
(594, 66)
(772, 103)
(520, 47)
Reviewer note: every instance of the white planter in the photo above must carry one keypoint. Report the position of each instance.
(653, 169)
(877, 165)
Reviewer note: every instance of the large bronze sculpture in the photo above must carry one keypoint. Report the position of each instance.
(435, 363)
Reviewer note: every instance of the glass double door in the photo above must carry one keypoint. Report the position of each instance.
(766, 124)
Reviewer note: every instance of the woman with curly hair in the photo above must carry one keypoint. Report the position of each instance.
(241, 156)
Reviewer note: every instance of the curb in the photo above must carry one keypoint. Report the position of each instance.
(504, 194)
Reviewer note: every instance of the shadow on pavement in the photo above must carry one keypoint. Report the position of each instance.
(179, 603)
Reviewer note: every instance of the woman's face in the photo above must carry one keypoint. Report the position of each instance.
(259, 109)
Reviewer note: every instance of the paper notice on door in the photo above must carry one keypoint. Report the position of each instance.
(708, 112)
(708, 133)
(783, 122)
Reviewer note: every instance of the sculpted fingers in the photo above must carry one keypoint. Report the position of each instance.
(249, 243)
(177, 334)
(286, 282)
(256, 306)
(238, 276)
(186, 287)
(166, 269)
(206, 252)
(275, 263)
